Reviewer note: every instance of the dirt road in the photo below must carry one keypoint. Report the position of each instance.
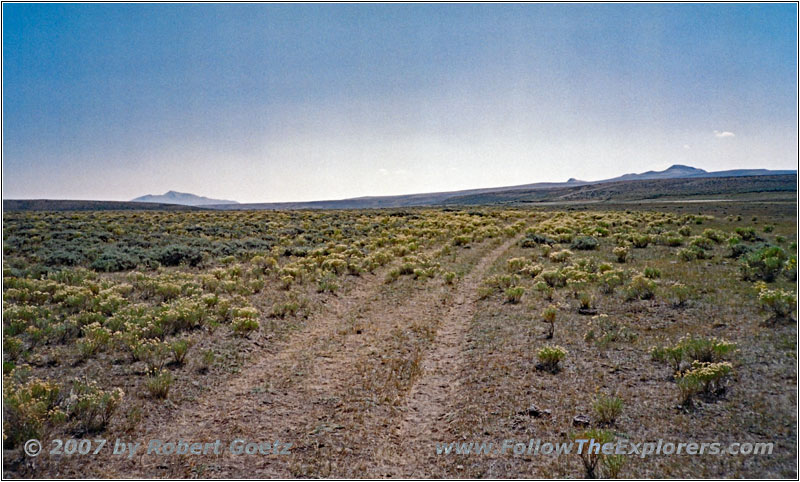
(369, 378)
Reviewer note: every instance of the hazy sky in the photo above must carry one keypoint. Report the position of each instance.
(301, 102)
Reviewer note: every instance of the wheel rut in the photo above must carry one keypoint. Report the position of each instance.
(317, 389)
(429, 400)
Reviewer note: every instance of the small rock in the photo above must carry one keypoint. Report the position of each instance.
(536, 412)
(581, 421)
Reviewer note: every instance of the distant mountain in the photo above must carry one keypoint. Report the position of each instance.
(679, 171)
(672, 172)
(183, 198)
(542, 189)
(665, 189)
(744, 172)
(677, 180)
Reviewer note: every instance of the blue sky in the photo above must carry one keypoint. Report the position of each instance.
(267, 102)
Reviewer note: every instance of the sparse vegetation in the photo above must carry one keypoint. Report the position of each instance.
(640, 288)
(607, 409)
(621, 252)
(703, 379)
(273, 303)
(593, 459)
(777, 302)
(550, 356)
(159, 383)
(549, 316)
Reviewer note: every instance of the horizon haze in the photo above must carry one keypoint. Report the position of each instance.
(273, 103)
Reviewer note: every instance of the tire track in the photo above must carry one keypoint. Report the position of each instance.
(428, 400)
(310, 390)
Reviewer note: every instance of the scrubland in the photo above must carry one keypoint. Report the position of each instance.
(365, 337)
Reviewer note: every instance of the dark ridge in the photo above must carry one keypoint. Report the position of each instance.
(74, 205)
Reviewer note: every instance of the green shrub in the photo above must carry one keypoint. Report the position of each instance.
(327, 283)
(153, 353)
(281, 310)
(461, 240)
(514, 294)
(450, 278)
(764, 264)
(714, 235)
(513, 265)
(92, 407)
(29, 406)
(701, 242)
(612, 464)
(13, 347)
(95, 338)
(778, 302)
(706, 349)
(607, 409)
(640, 288)
(678, 294)
(244, 326)
(610, 280)
(531, 240)
(206, 360)
(702, 378)
(286, 282)
(602, 330)
(790, 267)
(502, 282)
(531, 270)
(554, 278)
(550, 356)
(652, 273)
(158, 384)
(693, 349)
(180, 348)
(584, 243)
(423, 274)
(586, 301)
(549, 316)
(692, 252)
(640, 241)
(621, 252)
(63, 258)
(545, 289)
(592, 458)
(177, 254)
(560, 256)
(747, 233)
(115, 260)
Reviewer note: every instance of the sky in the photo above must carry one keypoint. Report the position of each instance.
(280, 102)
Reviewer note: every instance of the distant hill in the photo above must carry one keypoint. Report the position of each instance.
(677, 181)
(77, 205)
(709, 187)
(184, 198)
(672, 172)
(543, 189)
(744, 172)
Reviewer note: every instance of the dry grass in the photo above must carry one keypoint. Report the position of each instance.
(358, 379)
